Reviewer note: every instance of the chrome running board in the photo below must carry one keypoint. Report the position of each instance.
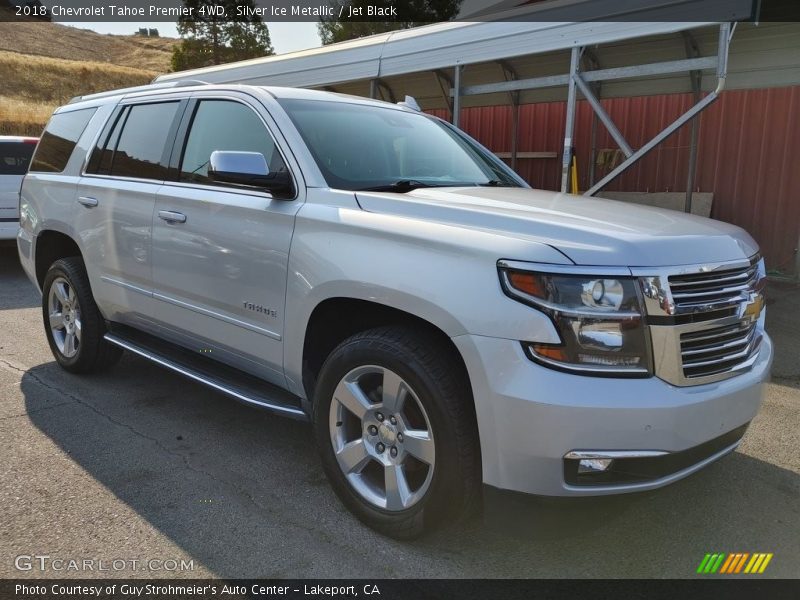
(238, 384)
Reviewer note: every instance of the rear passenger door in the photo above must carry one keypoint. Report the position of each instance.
(116, 198)
(220, 252)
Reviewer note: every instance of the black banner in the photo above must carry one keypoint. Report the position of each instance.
(733, 588)
(401, 11)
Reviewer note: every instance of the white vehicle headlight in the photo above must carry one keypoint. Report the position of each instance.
(599, 320)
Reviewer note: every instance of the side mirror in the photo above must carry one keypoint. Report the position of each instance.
(249, 168)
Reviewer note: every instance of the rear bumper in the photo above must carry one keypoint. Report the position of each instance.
(530, 417)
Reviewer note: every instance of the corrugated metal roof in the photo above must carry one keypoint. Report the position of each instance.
(424, 49)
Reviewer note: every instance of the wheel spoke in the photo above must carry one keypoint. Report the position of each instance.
(394, 392)
(353, 457)
(69, 344)
(418, 443)
(78, 329)
(71, 294)
(352, 397)
(62, 293)
(56, 320)
(397, 492)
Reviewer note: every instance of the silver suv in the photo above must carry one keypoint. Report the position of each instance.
(376, 271)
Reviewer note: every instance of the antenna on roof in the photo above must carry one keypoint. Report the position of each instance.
(411, 103)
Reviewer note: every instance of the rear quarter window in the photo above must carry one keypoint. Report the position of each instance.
(59, 139)
(15, 157)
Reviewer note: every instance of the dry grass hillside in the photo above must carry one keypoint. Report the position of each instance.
(43, 65)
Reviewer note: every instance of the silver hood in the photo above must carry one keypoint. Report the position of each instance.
(589, 231)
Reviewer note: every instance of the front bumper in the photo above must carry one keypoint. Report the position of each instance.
(530, 417)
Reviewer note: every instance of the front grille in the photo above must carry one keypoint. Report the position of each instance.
(706, 321)
(717, 350)
(713, 289)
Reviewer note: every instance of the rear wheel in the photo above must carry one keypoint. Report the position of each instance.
(395, 426)
(72, 321)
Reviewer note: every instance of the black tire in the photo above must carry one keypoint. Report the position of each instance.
(439, 381)
(93, 354)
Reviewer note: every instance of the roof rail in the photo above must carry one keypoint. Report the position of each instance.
(140, 88)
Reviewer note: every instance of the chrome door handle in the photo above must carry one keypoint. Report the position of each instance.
(87, 201)
(171, 216)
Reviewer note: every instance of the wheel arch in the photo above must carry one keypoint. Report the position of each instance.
(52, 245)
(336, 318)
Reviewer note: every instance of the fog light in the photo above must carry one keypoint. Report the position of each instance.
(594, 465)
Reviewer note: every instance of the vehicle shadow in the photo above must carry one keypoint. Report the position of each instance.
(16, 290)
(243, 492)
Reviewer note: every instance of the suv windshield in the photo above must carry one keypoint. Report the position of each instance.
(362, 147)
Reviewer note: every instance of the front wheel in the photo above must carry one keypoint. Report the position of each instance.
(395, 425)
(72, 321)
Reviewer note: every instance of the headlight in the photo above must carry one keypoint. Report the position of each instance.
(598, 317)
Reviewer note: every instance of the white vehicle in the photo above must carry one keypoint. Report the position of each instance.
(15, 156)
(378, 272)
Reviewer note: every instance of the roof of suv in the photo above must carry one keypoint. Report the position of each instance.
(192, 85)
(29, 139)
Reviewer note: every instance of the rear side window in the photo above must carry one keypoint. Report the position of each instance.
(59, 139)
(141, 145)
(15, 157)
(136, 143)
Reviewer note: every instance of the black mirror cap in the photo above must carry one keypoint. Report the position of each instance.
(278, 183)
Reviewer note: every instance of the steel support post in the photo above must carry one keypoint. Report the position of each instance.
(457, 94)
(373, 89)
(569, 126)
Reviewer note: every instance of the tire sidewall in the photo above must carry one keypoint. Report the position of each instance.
(72, 270)
(432, 506)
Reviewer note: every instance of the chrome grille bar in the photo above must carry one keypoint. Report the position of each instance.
(709, 325)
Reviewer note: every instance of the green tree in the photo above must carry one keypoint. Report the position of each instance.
(212, 39)
(411, 13)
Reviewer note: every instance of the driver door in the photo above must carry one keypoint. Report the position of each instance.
(220, 252)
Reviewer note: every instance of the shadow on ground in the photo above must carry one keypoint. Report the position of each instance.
(242, 491)
(18, 291)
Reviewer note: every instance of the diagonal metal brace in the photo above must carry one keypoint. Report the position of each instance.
(603, 115)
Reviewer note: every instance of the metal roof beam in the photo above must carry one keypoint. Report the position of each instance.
(725, 33)
(662, 68)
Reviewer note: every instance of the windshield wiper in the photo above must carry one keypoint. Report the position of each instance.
(402, 186)
(495, 183)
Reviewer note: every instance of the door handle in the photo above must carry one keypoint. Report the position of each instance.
(171, 216)
(87, 201)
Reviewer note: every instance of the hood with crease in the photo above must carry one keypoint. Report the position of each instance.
(589, 231)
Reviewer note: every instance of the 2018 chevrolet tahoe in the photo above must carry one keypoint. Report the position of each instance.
(378, 272)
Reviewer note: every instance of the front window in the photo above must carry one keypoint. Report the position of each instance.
(363, 147)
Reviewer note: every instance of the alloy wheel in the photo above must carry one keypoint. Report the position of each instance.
(382, 438)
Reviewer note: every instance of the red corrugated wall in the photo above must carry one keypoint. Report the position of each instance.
(748, 154)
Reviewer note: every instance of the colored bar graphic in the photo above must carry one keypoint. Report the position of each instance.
(741, 562)
(733, 563)
(728, 562)
(703, 563)
(718, 563)
(765, 563)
